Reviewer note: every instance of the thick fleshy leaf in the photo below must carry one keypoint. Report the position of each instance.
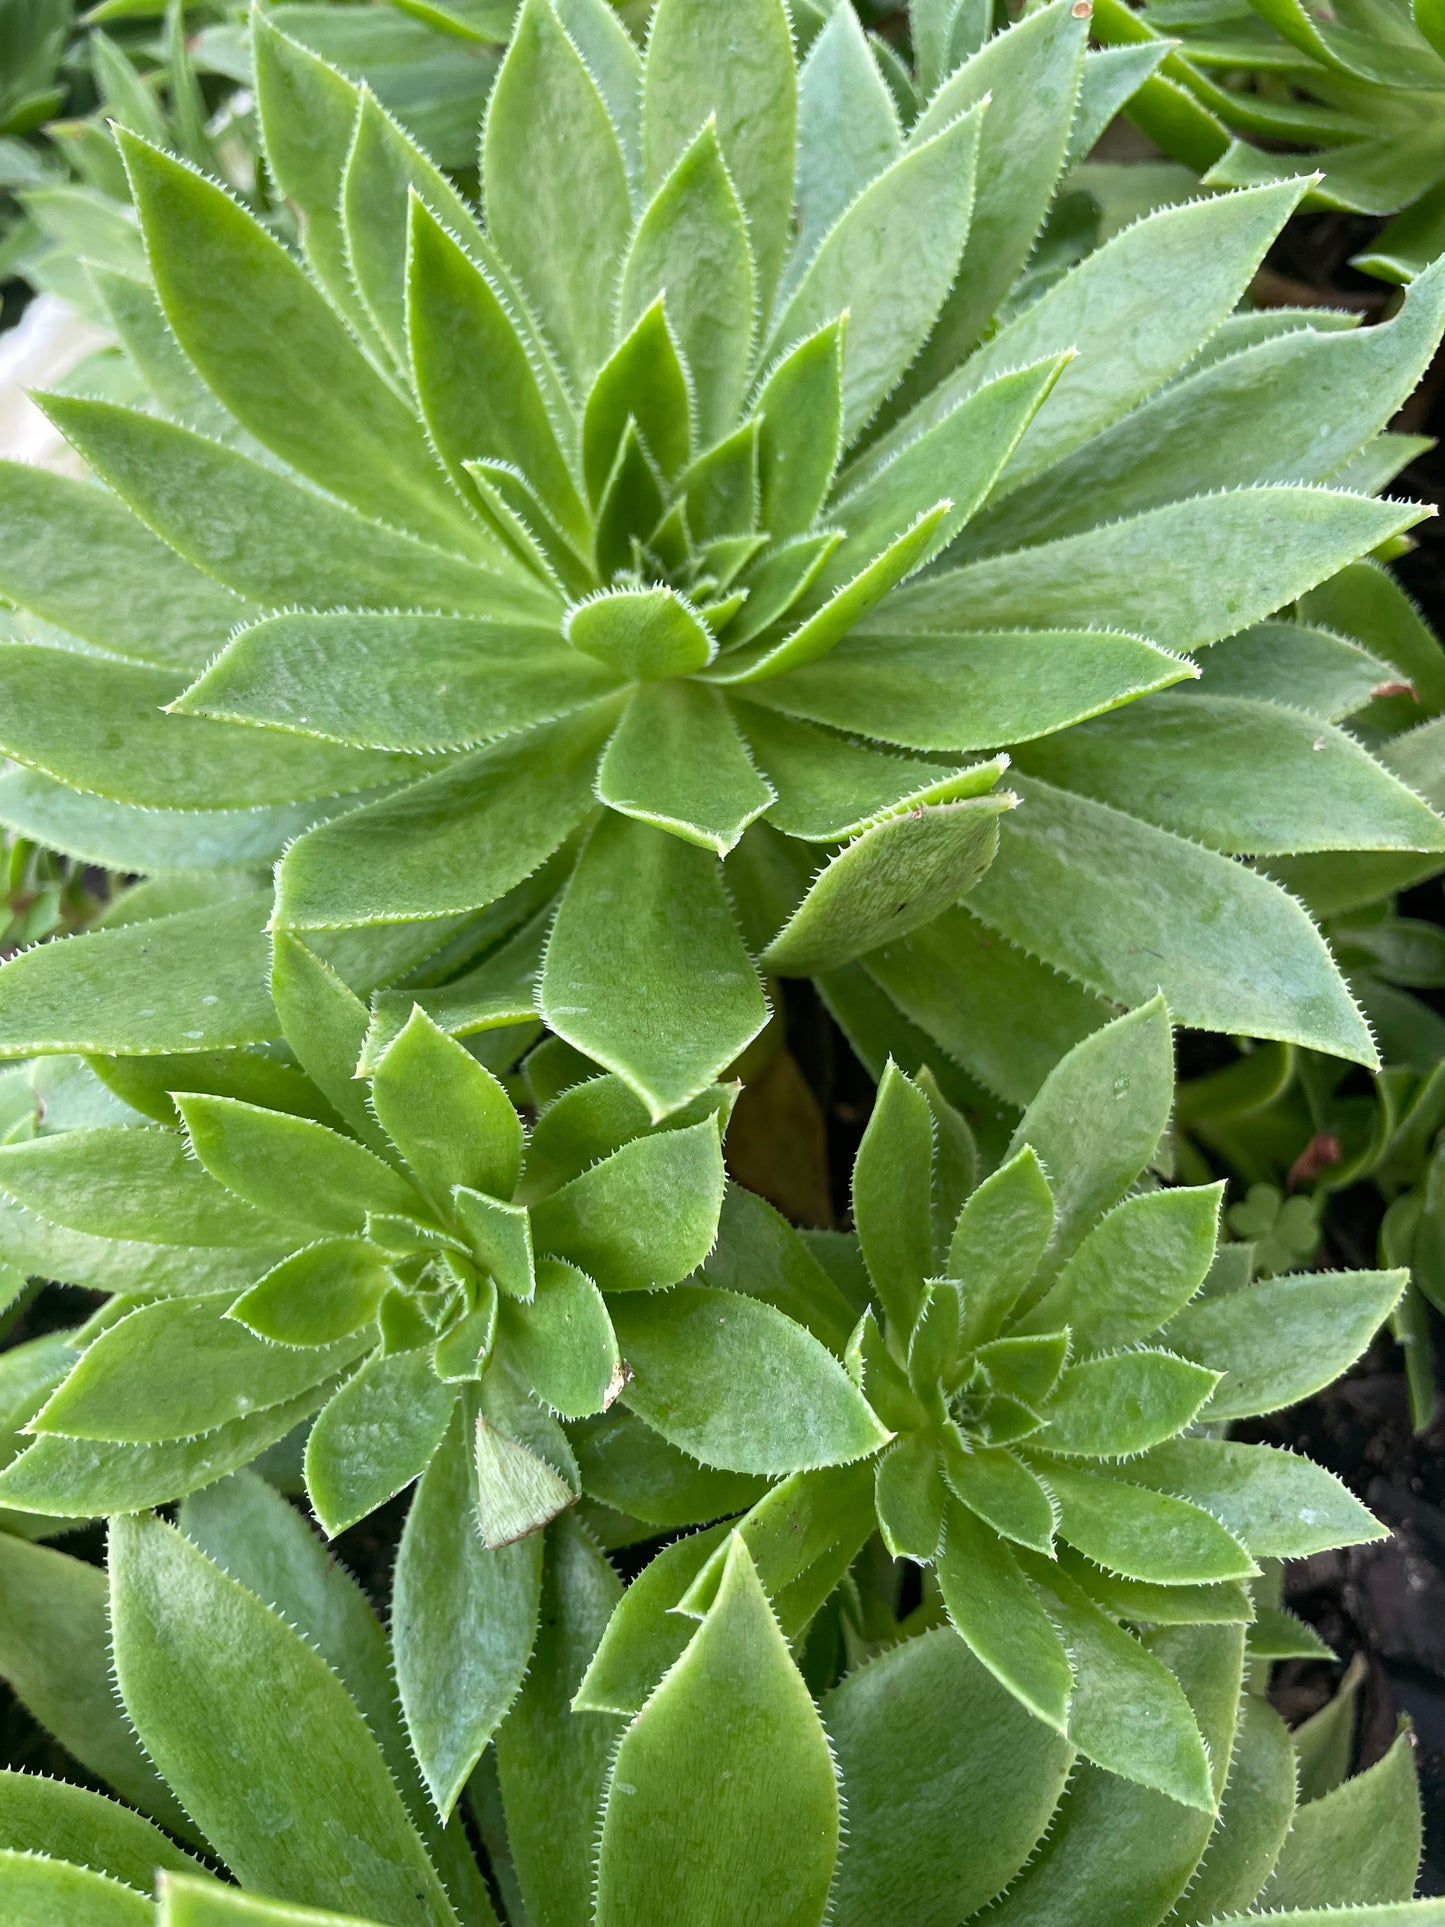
(890, 261)
(1256, 779)
(316, 1296)
(1112, 1407)
(1183, 575)
(1123, 1073)
(500, 1236)
(997, 1613)
(738, 1385)
(643, 1217)
(1283, 1338)
(447, 1115)
(738, 66)
(375, 1436)
(645, 1633)
(1065, 867)
(41, 1816)
(1138, 1266)
(464, 1622)
(909, 1498)
(1129, 1713)
(847, 127)
(733, 1808)
(949, 1784)
(457, 840)
(553, 1762)
(555, 186)
(968, 692)
(312, 1175)
(203, 1902)
(759, 1253)
(625, 1464)
(898, 874)
(647, 908)
(263, 533)
(180, 1367)
(1004, 1492)
(219, 1688)
(257, 329)
(892, 1193)
(40, 1892)
(999, 1242)
(325, 1023)
(677, 761)
(88, 1479)
(77, 557)
(1255, 1815)
(641, 634)
(475, 379)
(1359, 1844)
(98, 991)
(1278, 1504)
(563, 1340)
(801, 437)
(400, 682)
(55, 1658)
(1144, 1535)
(644, 382)
(691, 246)
(134, 1184)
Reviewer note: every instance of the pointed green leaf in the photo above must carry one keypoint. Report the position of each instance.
(179, 1367)
(555, 186)
(1144, 1535)
(313, 1175)
(41, 1816)
(553, 1762)
(325, 1024)
(447, 1115)
(1113, 1407)
(375, 1436)
(737, 66)
(892, 1193)
(55, 1658)
(77, 557)
(1255, 1815)
(691, 247)
(642, 1217)
(457, 840)
(187, 1902)
(219, 1688)
(898, 874)
(639, 894)
(257, 330)
(1183, 575)
(848, 128)
(889, 261)
(968, 692)
(759, 1253)
(997, 1613)
(500, 1236)
(723, 1804)
(645, 1634)
(1140, 1264)
(642, 381)
(518, 1490)
(1129, 1713)
(801, 437)
(909, 1498)
(949, 1785)
(738, 1385)
(98, 992)
(563, 1340)
(1282, 1339)
(266, 535)
(1359, 1844)
(475, 380)
(316, 1296)
(1278, 1504)
(625, 1464)
(464, 1622)
(124, 1182)
(1004, 1492)
(40, 1892)
(999, 1242)
(401, 682)
(677, 761)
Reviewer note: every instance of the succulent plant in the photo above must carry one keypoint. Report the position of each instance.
(246, 1663)
(1249, 86)
(643, 522)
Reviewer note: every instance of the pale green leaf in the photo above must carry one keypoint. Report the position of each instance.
(1276, 1503)
(375, 1435)
(677, 761)
(997, 1613)
(1113, 1407)
(446, 1113)
(892, 1194)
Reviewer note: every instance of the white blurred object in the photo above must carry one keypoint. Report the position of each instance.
(51, 338)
